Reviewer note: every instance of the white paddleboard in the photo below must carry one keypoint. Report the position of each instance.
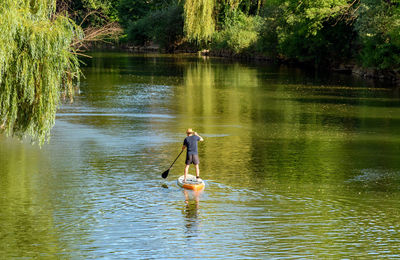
(191, 182)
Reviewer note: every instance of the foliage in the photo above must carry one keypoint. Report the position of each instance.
(251, 7)
(306, 30)
(98, 18)
(139, 32)
(164, 27)
(36, 65)
(199, 21)
(321, 32)
(93, 13)
(132, 10)
(378, 26)
(268, 34)
(330, 31)
(238, 34)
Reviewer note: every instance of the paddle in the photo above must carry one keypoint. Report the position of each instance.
(165, 174)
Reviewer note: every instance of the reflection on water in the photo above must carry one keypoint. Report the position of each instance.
(298, 165)
(191, 211)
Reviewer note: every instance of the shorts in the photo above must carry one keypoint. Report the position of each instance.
(192, 158)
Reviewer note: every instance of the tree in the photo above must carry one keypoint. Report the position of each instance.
(37, 64)
(309, 30)
(199, 21)
(378, 27)
(93, 13)
(164, 27)
(132, 10)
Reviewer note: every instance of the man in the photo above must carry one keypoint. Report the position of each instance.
(192, 155)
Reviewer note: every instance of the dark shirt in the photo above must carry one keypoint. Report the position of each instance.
(191, 144)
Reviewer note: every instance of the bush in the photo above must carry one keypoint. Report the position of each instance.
(268, 35)
(378, 27)
(139, 31)
(314, 31)
(164, 27)
(239, 33)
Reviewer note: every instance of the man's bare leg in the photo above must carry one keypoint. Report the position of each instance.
(186, 171)
(197, 171)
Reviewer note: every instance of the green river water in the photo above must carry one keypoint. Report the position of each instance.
(297, 165)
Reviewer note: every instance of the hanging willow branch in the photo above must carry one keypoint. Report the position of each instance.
(199, 21)
(37, 64)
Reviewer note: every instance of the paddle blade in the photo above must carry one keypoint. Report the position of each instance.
(165, 174)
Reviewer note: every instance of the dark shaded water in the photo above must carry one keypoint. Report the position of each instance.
(298, 165)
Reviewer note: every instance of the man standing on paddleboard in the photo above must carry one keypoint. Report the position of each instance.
(192, 155)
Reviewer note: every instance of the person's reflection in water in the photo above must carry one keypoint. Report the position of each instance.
(191, 211)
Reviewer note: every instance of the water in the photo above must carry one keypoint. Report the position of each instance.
(297, 165)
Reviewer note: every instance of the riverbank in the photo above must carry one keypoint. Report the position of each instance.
(348, 68)
(345, 68)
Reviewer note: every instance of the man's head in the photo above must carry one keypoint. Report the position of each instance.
(189, 131)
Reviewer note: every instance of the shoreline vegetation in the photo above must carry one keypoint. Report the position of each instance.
(361, 37)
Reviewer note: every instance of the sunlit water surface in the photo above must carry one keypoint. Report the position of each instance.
(297, 165)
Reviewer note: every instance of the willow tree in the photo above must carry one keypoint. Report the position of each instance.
(37, 65)
(199, 21)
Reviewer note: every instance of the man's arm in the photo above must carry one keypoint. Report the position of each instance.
(201, 138)
(183, 147)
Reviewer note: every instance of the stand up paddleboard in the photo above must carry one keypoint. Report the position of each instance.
(191, 182)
